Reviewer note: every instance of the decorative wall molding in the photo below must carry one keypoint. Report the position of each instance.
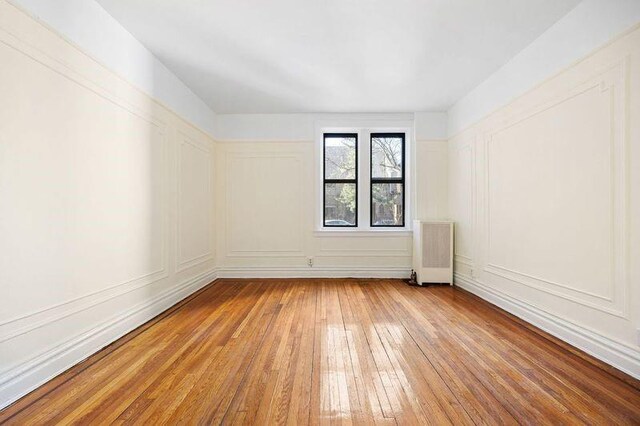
(361, 253)
(463, 259)
(531, 282)
(32, 321)
(612, 82)
(403, 251)
(24, 378)
(617, 354)
(314, 272)
(264, 253)
(518, 276)
(183, 264)
(363, 234)
(11, 8)
(602, 322)
(40, 361)
(375, 248)
(470, 147)
(58, 65)
(22, 324)
(13, 40)
(297, 228)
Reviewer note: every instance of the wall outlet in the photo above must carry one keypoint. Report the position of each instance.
(310, 261)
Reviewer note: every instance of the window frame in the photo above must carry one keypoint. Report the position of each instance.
(325, 181)
(401, 180)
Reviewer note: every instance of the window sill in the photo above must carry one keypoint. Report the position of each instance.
(399, 232)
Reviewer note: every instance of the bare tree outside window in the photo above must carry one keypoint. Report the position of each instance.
(340, 179)
(340, 184)
(386, 157)
(387, 179)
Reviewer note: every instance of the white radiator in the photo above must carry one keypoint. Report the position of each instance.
(433, 251)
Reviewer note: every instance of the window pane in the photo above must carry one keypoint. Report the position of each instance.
(340, 157)
(386, 157)
(386, 204)
(339, 204)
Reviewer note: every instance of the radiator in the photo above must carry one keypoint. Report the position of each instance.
(433, 251)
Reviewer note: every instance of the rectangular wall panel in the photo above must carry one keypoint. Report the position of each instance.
(195, 213)
(81, 187)
(462, 200)
(265, 204)
(550, 194)
(89, 199)
(555, 235)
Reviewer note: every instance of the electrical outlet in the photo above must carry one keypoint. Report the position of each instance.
(310, 261)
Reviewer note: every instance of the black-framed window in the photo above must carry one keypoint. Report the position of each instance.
(340, 180)
(387, 179)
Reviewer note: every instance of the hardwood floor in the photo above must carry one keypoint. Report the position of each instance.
(332, 351)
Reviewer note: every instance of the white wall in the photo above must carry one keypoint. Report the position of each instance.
(266, 211)
(588, 26)
(107, 214)
(302, 127)
(267, 157)
(264, 127)
(546, 196)
(431, 125)
(87, 25)
(431, 167)
(431, 177)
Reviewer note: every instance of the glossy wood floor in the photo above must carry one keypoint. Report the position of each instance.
(332, 351)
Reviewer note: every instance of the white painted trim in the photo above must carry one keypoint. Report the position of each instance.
(26, 377)
(184, 264)
(314, 272)
(93, 32)
(23, 379)
(401, 232)
(19, 381)
(587, 29)
(623, 358)
(364, 129)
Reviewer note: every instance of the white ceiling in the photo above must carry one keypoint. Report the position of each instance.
(268, 56)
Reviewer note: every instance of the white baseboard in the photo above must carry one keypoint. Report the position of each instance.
(21, 380)
(613, 353)
(313, 272)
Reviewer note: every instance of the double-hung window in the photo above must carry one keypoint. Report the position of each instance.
(340, 181)
(383, 205)
(387, 193)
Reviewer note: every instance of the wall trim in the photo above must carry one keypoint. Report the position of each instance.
(471, 147)
(30, 321)
(20, 380)
(23, 379)
(265, 141)
(314, 272)
(622, 357)
(610, 80)
(231, 158)
(191, 122)
(184, 264)
(532, 88)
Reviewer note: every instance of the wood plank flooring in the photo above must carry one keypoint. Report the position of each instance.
(346, 351)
